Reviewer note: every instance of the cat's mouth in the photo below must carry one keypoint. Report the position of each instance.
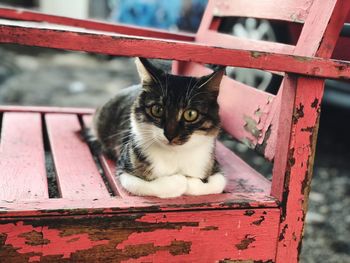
(173, 142)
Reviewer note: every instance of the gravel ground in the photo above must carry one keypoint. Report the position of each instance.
(30, 76)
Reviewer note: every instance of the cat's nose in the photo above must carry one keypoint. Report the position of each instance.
(170, 137)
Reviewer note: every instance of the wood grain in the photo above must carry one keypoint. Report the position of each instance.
(43, 109)
(22, 160)
(77, 174)
(177, 50)
(217, 39)
(26, 15)
(286, 10)
(211, 236)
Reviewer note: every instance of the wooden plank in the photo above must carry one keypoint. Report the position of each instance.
(286, 10)
(297, 170)
(77, 174)
(182, 51)
(65, 110)
(143, 237)
(26, 15)
(112, 205)
(314, 28)
(297, 167)
(331, 34)
(241, 177)
(22, 158)
(217, 39)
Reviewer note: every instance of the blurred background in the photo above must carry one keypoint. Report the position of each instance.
(37, 76)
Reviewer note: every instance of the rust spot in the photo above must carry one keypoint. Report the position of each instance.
(251, 127)
(341, 67)
(180, 247)
(248, 142)
(259, 221)
(302, 59)
(262, 147)
(209, 228)
(258, 112)
(246, 261)
(299, 113)
(248, 239)
(35, 238)
(249, 212)
(2, 239)
(283, 232)
(73, 240)
(256, 54)
(175, 248)
(314, 103)
(308, 129)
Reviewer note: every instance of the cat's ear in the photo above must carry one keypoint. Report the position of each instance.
(148, 73)
(212, 81)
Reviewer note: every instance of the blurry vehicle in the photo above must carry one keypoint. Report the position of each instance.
(174, 15)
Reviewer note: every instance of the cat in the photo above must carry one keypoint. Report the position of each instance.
(163, 133)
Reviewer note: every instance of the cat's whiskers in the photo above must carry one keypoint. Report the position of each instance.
(188, 88)
(192, 89)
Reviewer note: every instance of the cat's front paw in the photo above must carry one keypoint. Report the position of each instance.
(163, 187)
(170, 186)
(215, 185)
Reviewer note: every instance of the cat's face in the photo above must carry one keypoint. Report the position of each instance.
(174, 108)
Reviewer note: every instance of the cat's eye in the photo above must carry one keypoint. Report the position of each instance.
(157, 111)
(190, 115)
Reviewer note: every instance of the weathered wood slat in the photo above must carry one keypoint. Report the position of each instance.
(287, 10)
(77, 174)
(232, 42)
(207, 236)
(22, 158)
(25, 15)
(65, 110)
(294, 163)
(166, 49)
(110, 205)
(241, 177)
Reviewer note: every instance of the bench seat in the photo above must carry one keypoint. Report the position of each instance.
(89, 192)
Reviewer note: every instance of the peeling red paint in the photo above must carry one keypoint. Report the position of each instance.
(58, 245)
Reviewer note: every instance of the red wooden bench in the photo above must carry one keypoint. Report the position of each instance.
(254, 220)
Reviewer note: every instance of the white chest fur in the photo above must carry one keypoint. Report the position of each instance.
(191, 159)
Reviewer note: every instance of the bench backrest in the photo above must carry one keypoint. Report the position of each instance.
(248, 114)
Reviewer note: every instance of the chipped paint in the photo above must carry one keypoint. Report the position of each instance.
(209, 228)
(256, 54)
(314, 104)
(302, 59)
(249, 212)
(258, 222)
(298, 113)
(283, 232)
(244, 244)
(262, 147)
(295, 18)
(251, 127)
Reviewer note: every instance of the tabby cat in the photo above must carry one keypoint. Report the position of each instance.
(163, 133)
